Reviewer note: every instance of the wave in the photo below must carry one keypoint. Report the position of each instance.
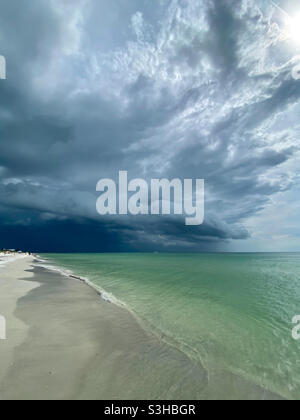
(106, 296)
(198, 353)
(161, 335)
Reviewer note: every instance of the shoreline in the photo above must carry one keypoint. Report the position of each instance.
(159, 334)
(72, 345)
(108, 297)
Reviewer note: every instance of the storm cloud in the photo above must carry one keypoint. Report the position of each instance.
(161, 89)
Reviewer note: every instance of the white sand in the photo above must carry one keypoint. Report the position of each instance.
(64, 342)
(6, 258)
(67, 343)
(12, 269)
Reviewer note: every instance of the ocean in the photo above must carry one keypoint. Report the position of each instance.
(230, 313)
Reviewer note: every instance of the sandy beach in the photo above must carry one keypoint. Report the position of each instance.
(65, 342)
(12, 289)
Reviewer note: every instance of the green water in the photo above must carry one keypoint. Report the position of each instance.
(232, 312)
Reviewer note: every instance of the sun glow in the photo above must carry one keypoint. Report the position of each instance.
(293, 28)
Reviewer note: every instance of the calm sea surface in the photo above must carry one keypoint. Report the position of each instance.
(232, 313)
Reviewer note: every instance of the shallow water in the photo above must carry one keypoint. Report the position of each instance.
(231, 312)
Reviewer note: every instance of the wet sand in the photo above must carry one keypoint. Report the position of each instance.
(73, 345)
(65, 342)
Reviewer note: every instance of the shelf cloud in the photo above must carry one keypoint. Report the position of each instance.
(199, 89)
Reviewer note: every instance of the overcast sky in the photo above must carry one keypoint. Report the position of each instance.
(162, 89)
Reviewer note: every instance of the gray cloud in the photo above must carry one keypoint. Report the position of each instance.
(198, 89)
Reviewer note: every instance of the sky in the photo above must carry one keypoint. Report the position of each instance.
(200, 89)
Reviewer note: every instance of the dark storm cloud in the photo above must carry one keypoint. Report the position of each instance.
(183, 89)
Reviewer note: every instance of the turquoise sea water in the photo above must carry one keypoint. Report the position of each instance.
(231, 312)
